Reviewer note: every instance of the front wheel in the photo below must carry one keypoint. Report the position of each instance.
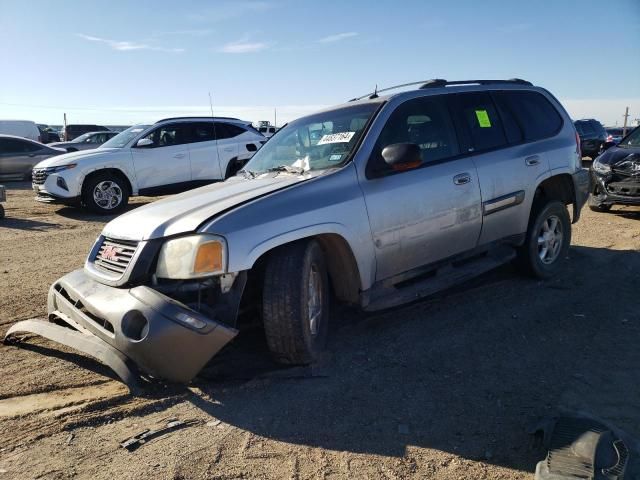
(295, 302)
(547, 240)
(105, 193)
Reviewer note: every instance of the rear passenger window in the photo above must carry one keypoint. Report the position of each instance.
(422, 121)
(536, 116)
(202, 132)
(227, 130)
(478, 121)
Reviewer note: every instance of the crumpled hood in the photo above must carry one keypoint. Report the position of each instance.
(617, 154)
(185, 212)
(76, 157)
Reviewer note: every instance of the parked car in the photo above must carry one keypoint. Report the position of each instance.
(18, 155)
(72, 131)
(592, 137)
(172, 155)
(615, 134)
(20, 128)
(401, 196)
(87, 141)
(615, 175)
(267, 131)
(48, 134)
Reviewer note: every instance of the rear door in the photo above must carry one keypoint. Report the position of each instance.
(509, 162)
(429, 213)
(203, 150)
(166, 161)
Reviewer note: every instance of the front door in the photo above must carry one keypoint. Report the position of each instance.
(425, 214)
(166, 161)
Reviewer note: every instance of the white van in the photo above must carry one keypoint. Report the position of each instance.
(20, 128)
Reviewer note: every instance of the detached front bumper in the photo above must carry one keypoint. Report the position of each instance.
(120, 326)
(612, 189)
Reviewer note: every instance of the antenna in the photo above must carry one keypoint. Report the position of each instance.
(215, 134)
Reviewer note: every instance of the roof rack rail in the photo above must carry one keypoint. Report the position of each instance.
(201, 117)
(440, 82)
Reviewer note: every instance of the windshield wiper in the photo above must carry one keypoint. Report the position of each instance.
(287, 168)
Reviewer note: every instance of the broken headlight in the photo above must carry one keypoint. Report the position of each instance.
(195, 256)
(601, 168)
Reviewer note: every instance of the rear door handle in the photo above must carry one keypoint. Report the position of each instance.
(179, 155)
(462, 179)
(532, 160)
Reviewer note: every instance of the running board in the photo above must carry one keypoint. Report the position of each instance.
(386, 296)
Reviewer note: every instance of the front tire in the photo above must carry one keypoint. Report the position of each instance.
(295, 303)
(105, 193)
(547, 240)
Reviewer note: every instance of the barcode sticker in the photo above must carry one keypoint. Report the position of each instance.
(342, 137)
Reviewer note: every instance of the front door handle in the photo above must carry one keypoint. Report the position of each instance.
(229, 149)
(179, 155)
(532, 160)
(462, 179)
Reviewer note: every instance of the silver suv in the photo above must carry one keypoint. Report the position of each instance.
(376, 202)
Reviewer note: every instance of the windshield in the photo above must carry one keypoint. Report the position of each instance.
(124, 137)
(81, 138)
(321, 141)
(631, 140)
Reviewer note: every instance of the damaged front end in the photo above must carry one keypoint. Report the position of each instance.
(119, 311)
(615, 179)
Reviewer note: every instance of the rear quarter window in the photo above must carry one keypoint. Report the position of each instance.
(535, 115)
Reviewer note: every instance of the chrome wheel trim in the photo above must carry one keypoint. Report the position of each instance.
(550, 238)
(314, 300)
(107, 195)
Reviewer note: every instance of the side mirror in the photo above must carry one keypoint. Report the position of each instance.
(402, 156)
(144, 142)
(607, 145)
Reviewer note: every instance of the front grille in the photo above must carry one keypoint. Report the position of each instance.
(39, 175)
(114, 256)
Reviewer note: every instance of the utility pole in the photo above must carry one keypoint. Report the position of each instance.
(65, 128)
(275, 118)
(624, 128)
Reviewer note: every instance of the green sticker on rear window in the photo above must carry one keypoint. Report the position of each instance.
(483, 119)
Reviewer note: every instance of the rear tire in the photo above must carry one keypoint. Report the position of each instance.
(105, 193)
(295, 303)
(1, 212)
(547, 241)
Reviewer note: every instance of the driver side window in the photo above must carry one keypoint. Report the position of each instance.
(422, 121)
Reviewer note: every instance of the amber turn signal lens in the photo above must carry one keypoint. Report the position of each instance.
(208, 258)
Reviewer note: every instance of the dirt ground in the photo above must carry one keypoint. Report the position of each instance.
(445, 388)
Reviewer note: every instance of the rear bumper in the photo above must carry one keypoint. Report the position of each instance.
(140, 325)
(581, 182)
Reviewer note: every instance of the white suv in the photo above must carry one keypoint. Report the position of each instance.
(172, 155)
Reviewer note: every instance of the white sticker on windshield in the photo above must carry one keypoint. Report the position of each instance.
(342, 137)
(136, 130)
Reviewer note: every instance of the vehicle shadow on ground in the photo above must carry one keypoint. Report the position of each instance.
(631, 214)
(26, 224)
(466, 372)
(78, 213)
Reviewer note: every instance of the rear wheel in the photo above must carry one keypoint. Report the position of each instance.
(1, 211)
(105, 193)
(547, 240)
(295, 303)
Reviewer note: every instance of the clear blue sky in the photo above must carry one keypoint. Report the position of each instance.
(121, 62)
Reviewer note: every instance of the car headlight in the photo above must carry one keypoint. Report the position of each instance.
(195, 256)
(601, 168)
(60, 168)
